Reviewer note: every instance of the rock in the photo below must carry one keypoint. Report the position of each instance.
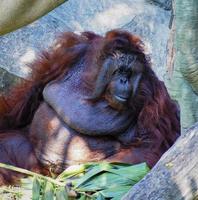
(149, 19)
(166, 4)
(175, 176)
(7, 80)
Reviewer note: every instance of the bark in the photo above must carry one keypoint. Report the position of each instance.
(15, 14)
(187, 40)
(183, 82)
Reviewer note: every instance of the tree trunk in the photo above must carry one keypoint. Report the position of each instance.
(183, 86)
(18, 13)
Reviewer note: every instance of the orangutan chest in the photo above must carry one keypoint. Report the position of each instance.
(68, 100)
(55, 142)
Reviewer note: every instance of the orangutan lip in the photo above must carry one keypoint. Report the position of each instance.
(119, 98)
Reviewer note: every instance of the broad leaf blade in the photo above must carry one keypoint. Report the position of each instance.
(94, 171)
(134, 172)
(115, 192)
(36, 189)
(72, 171)
(61, 194)
(27, 183)
(100, 196)
(104, 180)
(48, 192)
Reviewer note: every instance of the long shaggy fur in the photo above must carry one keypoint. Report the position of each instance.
(157, 121)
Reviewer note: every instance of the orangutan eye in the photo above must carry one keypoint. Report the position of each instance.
(125, 71)
(134, 71)
(121, 70)
(129, 73)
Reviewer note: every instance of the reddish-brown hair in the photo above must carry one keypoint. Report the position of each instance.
(157, 112)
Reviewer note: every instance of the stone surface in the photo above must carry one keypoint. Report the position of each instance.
(149, 19)
(175, 176)
(7, 80)
(166, 4)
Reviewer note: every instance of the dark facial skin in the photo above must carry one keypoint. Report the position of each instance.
(124, 80)
(116, 84)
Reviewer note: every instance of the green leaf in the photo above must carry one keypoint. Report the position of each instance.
(116, 165)
(61, 194)
(82, 197)
(27, 183)
(94, 171)
(48, 192)
(134, 172)
(115, 192)
(100, 196)
(72, 171)
(36, 189)
(118, 197)
(104, 180)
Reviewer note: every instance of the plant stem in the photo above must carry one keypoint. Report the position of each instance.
(27, 172)
(8, 190)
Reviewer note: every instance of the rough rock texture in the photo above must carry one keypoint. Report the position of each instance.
(166, 4)
(7, 80)
(175, 176)
(149, 19)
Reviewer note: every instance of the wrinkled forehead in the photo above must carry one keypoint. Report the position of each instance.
(123, 59)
